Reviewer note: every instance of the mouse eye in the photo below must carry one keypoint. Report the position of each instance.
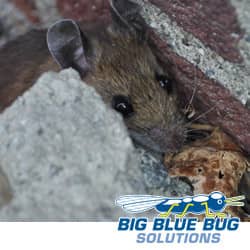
(123, 105)
(165, 82)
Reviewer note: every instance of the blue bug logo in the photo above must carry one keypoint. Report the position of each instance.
(211, 205)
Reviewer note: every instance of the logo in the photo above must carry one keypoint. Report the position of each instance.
(181, 229)
(212, 205)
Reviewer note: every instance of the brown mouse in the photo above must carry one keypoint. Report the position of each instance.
(116, 60)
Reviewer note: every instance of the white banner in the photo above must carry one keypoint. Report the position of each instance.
(44, 236)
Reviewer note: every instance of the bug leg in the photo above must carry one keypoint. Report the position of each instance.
(208, 214)
(184, 211)
(166, 214)
(221, 215)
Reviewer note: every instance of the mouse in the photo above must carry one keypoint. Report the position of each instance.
(117, 60)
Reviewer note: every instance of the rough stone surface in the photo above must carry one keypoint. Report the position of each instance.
(47, 12)
(213, 22)
(67, 156)
(243, 9)
(13, 22)
(19, 16)
(39, 12)
(28, 7)
(156, 178)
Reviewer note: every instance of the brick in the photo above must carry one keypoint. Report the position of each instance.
(213, 22)
(84, 10)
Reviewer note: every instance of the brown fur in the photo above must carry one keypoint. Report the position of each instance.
(121, 65)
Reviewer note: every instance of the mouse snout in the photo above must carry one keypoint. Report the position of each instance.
(160, 140)
(168, 140)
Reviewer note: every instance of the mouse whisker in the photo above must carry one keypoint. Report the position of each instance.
(200, 116)
(189, 110)
(189, 106)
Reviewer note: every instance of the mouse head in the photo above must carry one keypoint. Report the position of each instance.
(119, 63)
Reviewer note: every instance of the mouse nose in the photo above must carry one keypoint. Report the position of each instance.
(168, 140)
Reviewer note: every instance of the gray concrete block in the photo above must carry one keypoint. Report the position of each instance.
(67, 156)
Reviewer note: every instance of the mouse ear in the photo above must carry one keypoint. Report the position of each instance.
(66, 45)
(126, 15)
